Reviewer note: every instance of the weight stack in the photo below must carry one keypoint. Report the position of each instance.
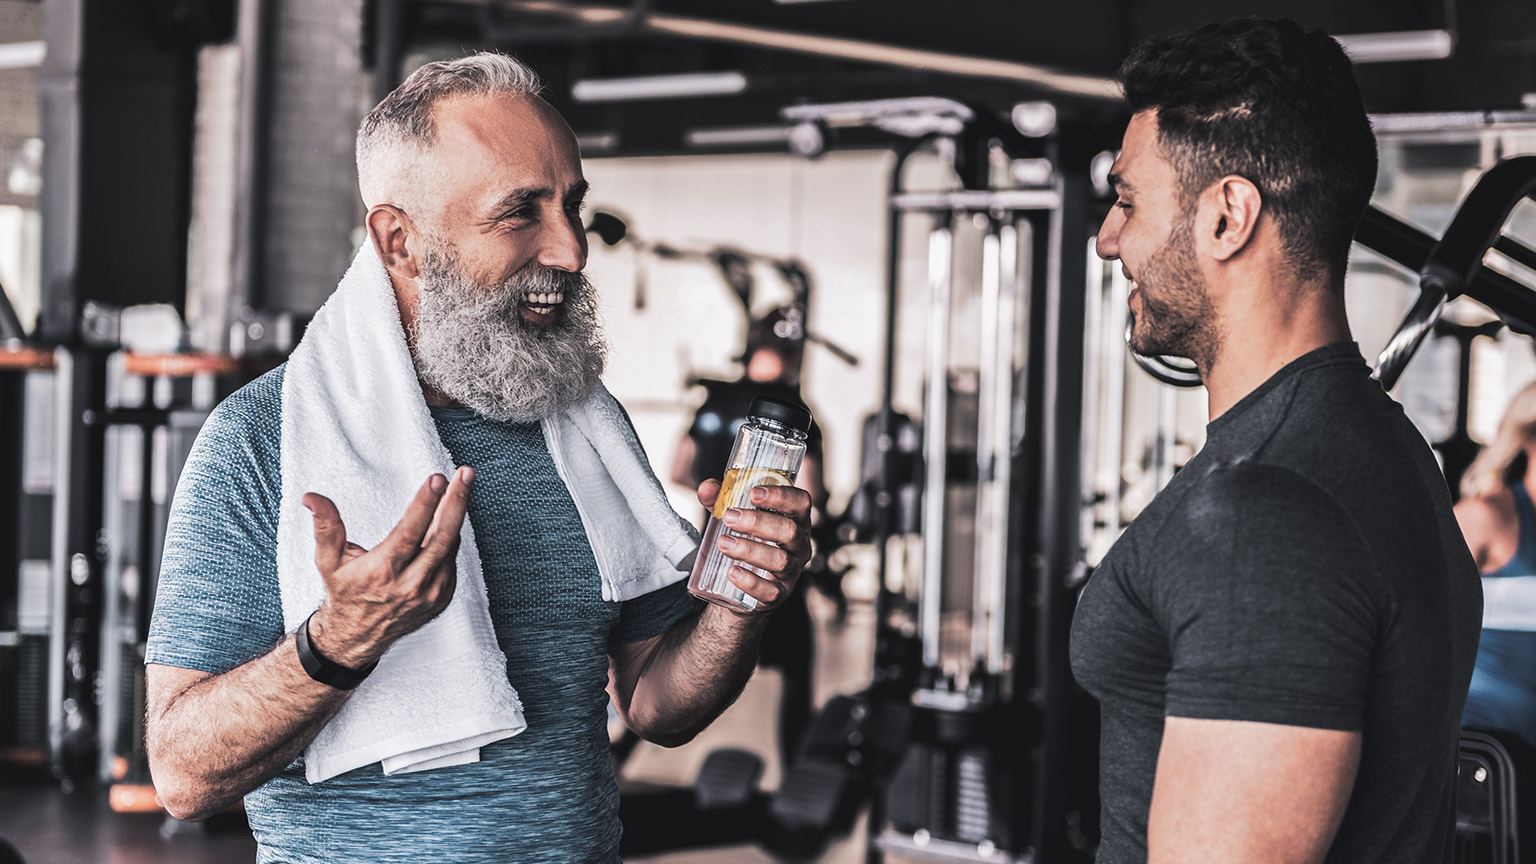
(24, 678)
(951, 792)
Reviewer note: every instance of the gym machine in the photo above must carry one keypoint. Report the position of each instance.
(972, 512)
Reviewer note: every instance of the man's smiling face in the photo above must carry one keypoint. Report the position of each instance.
(514, 192)
(505, 321)
(1150, 231)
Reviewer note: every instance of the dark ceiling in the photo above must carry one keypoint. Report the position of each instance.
(1493, 64)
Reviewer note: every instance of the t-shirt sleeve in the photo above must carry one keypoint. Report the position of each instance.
(217, 604)
(654, 613)
(1272, 603)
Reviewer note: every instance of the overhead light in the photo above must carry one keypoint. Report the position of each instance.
(22, 55)
(913, 116)
(1032, 172)
(1034, 119)
(806, 139)
(736, 136)
(1098, 172)
(1398, 45)
(659, 87)
(597, 143)
(1088, 86)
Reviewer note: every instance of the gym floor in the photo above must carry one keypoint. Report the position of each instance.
(50, 827)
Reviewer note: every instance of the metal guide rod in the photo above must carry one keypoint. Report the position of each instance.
(935, 438)
(983, 565)
(1003, 440)
(1113, 419)
(58, 582)
(1096, 374)
(1006, 199)
(111, 642)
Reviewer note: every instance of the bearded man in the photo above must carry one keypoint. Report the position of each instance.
(1282, 641)
(463, 341)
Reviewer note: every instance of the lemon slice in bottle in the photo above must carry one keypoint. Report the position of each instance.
(736, 488)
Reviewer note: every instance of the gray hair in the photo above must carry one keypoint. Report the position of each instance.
(399, 131)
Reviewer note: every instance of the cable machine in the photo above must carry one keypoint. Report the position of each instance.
(951, 744)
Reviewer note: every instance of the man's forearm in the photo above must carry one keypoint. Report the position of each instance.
(219, 737)
(695, 672)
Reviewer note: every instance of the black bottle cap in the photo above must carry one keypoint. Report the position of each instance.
(788, 413)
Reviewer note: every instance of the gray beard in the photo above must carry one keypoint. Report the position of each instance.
(471, 345)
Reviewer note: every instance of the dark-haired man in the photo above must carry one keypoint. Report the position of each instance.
(1281, 643)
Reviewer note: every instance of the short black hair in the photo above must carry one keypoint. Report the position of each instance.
(1272, 103)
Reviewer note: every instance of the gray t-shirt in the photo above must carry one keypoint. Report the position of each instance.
(546, 795)
(1304, 569)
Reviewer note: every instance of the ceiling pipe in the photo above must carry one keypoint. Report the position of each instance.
(1042, 77)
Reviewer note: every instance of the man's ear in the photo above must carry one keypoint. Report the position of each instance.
(1236, 208)
(391, 230)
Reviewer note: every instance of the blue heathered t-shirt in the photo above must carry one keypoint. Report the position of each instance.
(546, 795)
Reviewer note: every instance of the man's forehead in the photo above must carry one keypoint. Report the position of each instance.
(512, 144)
(1137, 150)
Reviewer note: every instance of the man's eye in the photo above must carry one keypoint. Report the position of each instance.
(1123, 205)
(520, 214)
(575, 206)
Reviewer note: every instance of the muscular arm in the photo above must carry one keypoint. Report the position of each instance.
(1236, 792)
(213, 738)
(1272, 628)
(690, 674)
(668, 688)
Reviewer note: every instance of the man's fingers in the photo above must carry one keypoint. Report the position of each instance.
(709, 490)
(461, 480)
(330, 532)
(762, 524)
(442, 542)
(405, 538)
(792, 501)
(761, 555)
(768, 591)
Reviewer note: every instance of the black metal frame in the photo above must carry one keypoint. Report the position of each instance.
(1455, 265)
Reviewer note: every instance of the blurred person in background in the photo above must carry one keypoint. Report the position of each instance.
(1499, 521)
(775, 349)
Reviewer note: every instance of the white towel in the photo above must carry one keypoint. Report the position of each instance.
(356, 429)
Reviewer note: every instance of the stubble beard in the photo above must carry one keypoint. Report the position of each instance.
(1180, 320)
(471, 345)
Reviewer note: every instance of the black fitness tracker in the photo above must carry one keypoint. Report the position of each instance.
(323, 670)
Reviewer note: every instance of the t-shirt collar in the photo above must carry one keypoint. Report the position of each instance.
(1334, 352)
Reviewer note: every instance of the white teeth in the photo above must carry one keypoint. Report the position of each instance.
(550, 299)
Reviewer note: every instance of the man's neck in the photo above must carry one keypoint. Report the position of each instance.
(437, 398)
(1264, 330)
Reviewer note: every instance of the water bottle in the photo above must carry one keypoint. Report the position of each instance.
(767, 452)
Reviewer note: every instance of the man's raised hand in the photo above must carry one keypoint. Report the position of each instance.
(373, 597)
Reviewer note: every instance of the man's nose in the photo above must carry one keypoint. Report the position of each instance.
(1107, 244)
(564, 244)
